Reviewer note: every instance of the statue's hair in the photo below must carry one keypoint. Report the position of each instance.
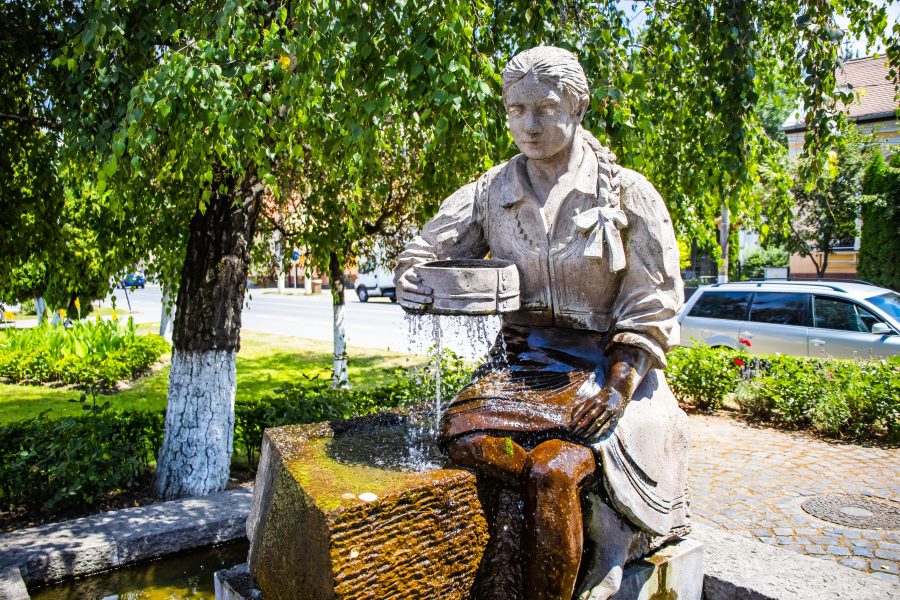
(553, 66)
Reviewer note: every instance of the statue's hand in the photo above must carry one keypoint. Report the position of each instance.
(412, 294)
(595, 416)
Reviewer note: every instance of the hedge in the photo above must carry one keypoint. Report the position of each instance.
(879, 252)
(856, 399)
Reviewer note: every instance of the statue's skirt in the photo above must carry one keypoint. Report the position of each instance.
(531, 396)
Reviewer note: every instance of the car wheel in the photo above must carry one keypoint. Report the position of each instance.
(362, 293)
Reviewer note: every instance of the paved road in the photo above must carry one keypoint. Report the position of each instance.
(378, 323)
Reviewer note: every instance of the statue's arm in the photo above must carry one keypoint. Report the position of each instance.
(628, 365)
(454, 232)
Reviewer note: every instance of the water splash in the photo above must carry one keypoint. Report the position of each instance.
(436, 329)
(473, 338)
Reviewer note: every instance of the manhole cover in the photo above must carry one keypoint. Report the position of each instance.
(854, 511)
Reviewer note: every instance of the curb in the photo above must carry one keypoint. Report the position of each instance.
(58, 551)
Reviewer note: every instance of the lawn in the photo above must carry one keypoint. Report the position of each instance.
(264, 362)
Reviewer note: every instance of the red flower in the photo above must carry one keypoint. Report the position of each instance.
(745, 342)
(739, 362)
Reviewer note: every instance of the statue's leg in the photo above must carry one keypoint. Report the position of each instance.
(614, 541)
(554, 537)
(499, 457)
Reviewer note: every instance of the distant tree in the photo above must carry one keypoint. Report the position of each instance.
(826, 211)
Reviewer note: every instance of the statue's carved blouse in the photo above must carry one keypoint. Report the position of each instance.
(607, 262)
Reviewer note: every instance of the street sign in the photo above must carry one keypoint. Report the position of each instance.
(295, 255)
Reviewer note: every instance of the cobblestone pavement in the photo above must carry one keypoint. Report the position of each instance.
(752, 481)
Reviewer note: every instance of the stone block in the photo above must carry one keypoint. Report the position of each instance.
(673, 571)
(12, 586)
(321, 529)
(236, 584)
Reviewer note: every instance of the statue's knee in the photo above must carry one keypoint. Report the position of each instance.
(558, 464)
(466, 451)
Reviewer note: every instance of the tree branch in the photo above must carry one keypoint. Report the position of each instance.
(30, 121)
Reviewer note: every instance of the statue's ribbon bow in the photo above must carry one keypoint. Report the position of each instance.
(603, 223)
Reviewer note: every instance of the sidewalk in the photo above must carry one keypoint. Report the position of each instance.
(752, 482)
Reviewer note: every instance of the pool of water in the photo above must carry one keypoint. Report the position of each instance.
(188, 575)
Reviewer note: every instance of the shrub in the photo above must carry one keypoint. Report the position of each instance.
(838, 398)
(98, 353)
(702, 375)
(754, 266)
(74, 461)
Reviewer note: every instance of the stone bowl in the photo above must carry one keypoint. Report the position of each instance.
(471, 287)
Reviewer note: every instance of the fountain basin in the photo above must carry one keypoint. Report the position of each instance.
(471, 287)
(333, 528)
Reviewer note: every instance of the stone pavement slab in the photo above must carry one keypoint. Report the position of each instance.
(752, 481)
(741, 569)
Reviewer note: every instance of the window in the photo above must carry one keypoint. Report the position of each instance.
(722, 305)
(831, 313)
(778, 308)
(888, 302)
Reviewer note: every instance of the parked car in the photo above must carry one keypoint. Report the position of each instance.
(374, 280)
(836, 319)
(133, 280)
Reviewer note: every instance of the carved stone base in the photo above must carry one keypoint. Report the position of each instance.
(673, 572)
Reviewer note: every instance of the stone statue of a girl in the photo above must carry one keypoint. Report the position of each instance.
(582, 415)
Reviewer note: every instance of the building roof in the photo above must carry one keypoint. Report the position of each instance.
(871, 82)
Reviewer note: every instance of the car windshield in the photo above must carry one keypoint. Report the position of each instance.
(889, 303)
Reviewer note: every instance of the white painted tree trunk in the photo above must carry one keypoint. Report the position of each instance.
(41, 308)
(166, 317)
(341, 378)
(196, 453)
(307, 282)
(279, 259)
(724, 232)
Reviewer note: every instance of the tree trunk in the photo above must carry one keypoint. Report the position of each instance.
(41, 309)
(279, 259)
(724, 234)
(165, 317)
(826, 246)
(196, 454)
(336, 275)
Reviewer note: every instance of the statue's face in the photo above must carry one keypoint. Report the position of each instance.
(540, 118)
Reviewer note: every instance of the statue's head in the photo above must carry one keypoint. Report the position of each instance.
(546, 94)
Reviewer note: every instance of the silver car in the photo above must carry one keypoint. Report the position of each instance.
(833, 319)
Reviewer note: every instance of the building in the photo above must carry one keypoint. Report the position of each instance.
(875, 113)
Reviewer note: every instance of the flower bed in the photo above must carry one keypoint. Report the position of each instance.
(857, 399)
(97, 353)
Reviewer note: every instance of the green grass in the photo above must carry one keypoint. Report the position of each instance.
(264, 362)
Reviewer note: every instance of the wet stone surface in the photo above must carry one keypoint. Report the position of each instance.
(754, 481)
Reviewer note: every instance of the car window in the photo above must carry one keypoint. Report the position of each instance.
(888, 302)
(778, 308)
(834, 313)
(722, 305)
